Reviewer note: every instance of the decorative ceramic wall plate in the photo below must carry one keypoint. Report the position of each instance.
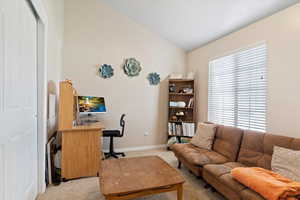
(106, 71)
(132, 67)
(154, 78)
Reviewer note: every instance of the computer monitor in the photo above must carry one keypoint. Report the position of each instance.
(90, 104)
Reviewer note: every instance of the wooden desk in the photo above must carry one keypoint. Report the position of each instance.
(81, 151)
(81, 145)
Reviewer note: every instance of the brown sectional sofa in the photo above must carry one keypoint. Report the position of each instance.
(232, 148)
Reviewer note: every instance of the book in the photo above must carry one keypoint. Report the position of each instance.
(184, 131)
(191, 102)
(170, 132)
(173, 128)
(177, 130)
(192, 129)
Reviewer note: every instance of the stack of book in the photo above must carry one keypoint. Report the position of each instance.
(183, 129)
(188, 129)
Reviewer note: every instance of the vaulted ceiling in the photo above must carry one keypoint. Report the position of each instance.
(192, 23)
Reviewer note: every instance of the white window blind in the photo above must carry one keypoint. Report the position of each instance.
(237, 89)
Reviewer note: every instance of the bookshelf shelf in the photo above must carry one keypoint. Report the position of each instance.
(181, 94)
(185, 121)
(181, 136)
(186, 108)
(181, 120)
(180, 80)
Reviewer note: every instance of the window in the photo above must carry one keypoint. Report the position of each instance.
(237, 89)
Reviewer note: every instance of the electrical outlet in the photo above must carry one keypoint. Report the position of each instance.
(146, 133)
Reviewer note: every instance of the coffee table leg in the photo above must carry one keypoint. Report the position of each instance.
(179, 192)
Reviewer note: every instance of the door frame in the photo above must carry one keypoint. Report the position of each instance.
(42, 77)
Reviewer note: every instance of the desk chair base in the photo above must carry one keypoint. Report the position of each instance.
(114, 154)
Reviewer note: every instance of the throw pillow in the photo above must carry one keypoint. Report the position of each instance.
(286, 162)
(204, 136)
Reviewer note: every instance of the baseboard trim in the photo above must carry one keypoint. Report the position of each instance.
(140, 148)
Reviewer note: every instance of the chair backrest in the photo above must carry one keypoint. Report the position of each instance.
(122, 124)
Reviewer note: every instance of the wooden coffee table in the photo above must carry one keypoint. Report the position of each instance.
(129, 178)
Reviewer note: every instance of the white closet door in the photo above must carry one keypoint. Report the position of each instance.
(18, 101)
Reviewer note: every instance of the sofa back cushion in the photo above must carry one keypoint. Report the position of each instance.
(286, 162)
(204, 136)
(227, 141)
(257, 148)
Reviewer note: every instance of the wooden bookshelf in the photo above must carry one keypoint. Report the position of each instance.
(181, 90)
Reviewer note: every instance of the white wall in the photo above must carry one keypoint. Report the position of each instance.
(282, 35)
(55, 14)
(96, 34)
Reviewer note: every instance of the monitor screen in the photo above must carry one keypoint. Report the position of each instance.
(89, 104)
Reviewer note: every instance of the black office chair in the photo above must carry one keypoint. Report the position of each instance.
(112, 134)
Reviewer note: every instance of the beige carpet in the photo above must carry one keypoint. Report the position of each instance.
(88, 188)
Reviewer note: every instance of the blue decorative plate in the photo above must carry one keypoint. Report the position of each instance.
(153, 78)
(106, 71)
(132, 67)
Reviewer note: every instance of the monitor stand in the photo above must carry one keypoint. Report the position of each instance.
(90, 119)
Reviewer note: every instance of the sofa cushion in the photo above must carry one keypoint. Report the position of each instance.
(248, 194)
(286, 162)
(227, 141)
(222, 173)
(204, 136)
(197, 156)
(221, 169)
(257, 148)
(185, 148)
